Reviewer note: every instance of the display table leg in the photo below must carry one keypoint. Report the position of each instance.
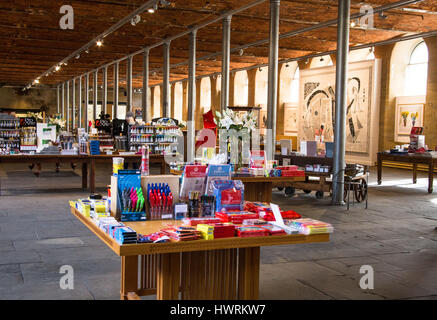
(92, 176)
(430, 176)
(248, 273)
(379, 170)
(168, 276)
(84, 175)
(414, 173)
(163, 166)
(129, 276)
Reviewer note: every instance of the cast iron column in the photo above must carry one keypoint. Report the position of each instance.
(73, 103)
(272, 102)
(58, 98)
(68, 106)
(105, 90)
(87, 100)
(129, 83)
(115, 102)
(226, 60)
(145, 95)
(63, 101)
(191, 134)
(95, 97)
(166, 81)
(340, 101)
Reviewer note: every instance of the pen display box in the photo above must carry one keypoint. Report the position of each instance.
(130, 196)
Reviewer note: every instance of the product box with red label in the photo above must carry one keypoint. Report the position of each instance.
(193, 179)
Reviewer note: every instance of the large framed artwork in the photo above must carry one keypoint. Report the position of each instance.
(409, 113)
(317, 108)
(291, 115)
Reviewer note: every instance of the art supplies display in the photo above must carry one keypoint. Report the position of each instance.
(9, 134)
(28, 137)
(159, 138)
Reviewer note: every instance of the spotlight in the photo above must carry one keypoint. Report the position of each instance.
(322, 59)
(78, 56)
(36, 81)
(135, 20)
(353, 24)
(151, 10)
(382, 15)
(57, 68)
(241, 52)
(260, 69)
(164, 3)
(99, 43)
(87, 51)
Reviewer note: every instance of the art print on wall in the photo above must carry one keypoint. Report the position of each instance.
(409, 114)
(317, 110)
(291, 115)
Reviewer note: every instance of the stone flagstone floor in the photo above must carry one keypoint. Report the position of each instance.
(396, 236)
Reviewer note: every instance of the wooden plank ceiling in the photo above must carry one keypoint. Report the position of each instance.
(32, 42)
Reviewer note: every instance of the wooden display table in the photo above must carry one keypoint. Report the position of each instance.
(153, 158)
(84, 160)
(260, 188)
(50, 158)
(412, 158)
(202, 269)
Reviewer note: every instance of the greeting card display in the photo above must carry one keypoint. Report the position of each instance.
(216, 172)
(257, 159)
(193, 180)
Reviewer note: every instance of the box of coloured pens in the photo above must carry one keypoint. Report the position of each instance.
(131, 200)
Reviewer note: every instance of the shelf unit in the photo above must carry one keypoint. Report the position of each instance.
(158, 137)
(9, 133)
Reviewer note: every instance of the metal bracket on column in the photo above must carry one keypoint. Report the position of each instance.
(226, 60)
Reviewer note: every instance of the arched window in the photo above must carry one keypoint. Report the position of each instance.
(417, 71)
(178, 93)
(295, 87)
(261, 87)
(205, 94)
(157, 102)
(241, 88)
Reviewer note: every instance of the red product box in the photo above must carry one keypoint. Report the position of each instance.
(273, 230)
(223, 230)
(297, 173)
(252, 231)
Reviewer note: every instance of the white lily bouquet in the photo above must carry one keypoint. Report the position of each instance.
(235, 130)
